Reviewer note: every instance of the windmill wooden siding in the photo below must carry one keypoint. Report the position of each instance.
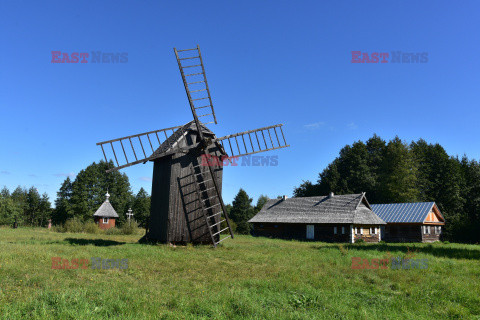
(176, 213)
(334, 218)
(411, 222)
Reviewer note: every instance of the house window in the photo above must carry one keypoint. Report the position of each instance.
(359, 230)
(105, 220)
(334, 230)
(426, 229)
(373, 230)
(343, 230)
(438, 230)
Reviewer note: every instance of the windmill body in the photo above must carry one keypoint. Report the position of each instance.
(176, 213)
(186, 199)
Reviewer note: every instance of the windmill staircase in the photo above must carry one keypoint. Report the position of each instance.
(211, 204)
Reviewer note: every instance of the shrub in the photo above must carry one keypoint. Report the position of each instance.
(130, 228)
(73, 225)
(59, 228)
(359, 241)
(91, 227)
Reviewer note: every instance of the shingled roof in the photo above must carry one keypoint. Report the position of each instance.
(106, 210)
(171, 142)
(349, 208)
(414, 212)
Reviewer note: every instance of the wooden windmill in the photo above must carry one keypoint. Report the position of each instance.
(186, 200)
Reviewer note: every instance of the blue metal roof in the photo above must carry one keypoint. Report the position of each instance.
(415, 212)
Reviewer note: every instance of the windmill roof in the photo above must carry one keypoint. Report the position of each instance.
(175, 137)
(414, 212)
(106, 210)
(349, 208)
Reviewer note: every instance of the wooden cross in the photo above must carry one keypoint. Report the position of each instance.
(129, 213)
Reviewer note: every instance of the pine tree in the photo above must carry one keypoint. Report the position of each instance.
(141, 207)
(63, 207)
(19, 197)
(31, 214)
(5, 193)
(44, 210)
(398, 178)
(242, 211)
(9, 210)
(376, 149)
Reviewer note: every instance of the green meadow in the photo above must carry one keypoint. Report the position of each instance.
(245, 278)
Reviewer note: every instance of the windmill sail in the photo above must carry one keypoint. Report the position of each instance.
(130, 150)
(194, 79)
(254, 141)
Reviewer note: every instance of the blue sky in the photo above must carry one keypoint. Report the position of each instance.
(267, 62)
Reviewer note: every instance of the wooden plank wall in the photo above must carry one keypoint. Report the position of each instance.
(322, 232)
(158, 221)
(176, 214)
(403, 233)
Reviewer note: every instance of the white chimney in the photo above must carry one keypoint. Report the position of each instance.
(284, 197)
(331, 195)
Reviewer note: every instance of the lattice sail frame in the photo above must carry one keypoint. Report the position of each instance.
(136, 143)
(251, 148)
(197, 89)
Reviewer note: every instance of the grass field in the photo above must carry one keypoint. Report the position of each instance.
(253, 278)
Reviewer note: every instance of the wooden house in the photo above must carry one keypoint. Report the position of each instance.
(410, 222)
(333, 218)
(176, 214)
(105, 215)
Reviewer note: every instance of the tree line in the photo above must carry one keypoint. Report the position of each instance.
(395, 171)
(24, 206)
(77, 199)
